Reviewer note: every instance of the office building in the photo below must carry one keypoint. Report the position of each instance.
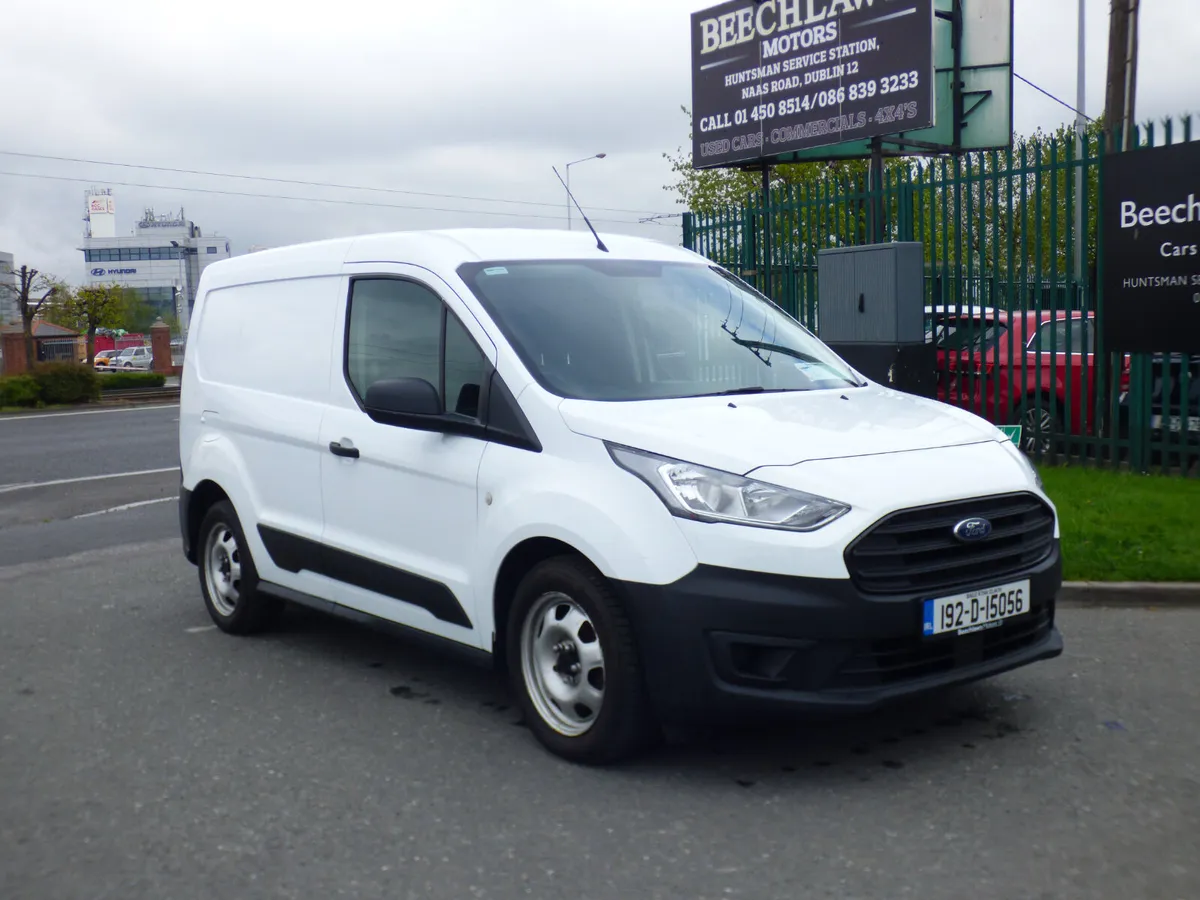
(162, 259)
(8, 285)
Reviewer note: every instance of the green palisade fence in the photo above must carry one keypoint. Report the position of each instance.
(1016, 319)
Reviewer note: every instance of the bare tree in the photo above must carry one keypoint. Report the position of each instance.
(33, 291)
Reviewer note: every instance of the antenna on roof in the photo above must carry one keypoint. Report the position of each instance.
(599, 243)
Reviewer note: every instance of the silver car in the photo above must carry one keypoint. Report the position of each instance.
(133, 358)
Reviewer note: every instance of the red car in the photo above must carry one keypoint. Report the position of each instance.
(1028, 368)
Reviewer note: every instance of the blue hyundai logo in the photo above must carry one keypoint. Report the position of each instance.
(96, 273)
(975, 529)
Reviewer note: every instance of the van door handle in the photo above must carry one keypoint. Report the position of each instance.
(338, 450)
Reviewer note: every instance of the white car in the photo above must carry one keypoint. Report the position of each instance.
(607, 466)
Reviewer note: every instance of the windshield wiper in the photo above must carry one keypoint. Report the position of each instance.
(748, 389)
(788, 351)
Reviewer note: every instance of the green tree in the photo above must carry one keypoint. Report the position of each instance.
(1046, 213)
(808, 193)
(986, 219)
(88, 309)
(137, 314)
(33, 292)
(706, 190)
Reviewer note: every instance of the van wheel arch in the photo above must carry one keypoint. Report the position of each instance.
(520, 560)
(205, 495)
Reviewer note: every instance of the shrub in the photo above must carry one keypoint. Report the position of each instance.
(19, 390)
(64, 382)
(119, 381)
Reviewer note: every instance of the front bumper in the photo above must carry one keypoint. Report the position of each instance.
(725, 644)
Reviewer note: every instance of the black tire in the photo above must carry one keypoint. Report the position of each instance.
(1037, 407)
(251, 611)
(624, 725)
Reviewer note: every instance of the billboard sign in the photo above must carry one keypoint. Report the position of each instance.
(101, 206)
(778, 76)
(1152, 250)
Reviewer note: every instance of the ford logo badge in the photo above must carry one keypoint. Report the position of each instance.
(96, 273)
(970, 530)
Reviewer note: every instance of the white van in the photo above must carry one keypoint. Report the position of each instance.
(619, 474)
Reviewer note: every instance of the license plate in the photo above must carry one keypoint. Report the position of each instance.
(1176, 423)
(976, 610)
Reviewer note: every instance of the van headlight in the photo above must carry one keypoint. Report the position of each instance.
(710, 495)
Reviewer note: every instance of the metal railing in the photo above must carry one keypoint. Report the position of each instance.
(1014, 288)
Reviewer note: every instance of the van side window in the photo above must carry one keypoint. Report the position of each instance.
(464, 370)
(396, 332)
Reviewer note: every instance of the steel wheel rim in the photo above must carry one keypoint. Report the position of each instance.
(223, 568)
(563, 664)
(1030, 422)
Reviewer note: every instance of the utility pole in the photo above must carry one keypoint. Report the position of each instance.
(1081, 242)
(1121, 83)
(1131, 55)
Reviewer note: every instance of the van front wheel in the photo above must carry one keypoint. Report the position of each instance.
(228, 578)
(574, 666)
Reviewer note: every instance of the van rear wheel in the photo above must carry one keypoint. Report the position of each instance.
(228, 578)
(574, 666)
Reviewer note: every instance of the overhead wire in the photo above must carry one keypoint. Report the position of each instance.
(334, 200)
(300, 182)
(1052, 97)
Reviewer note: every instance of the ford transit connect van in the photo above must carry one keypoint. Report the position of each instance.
(618, 474)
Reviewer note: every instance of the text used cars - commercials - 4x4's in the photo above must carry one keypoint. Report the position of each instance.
(614, 471)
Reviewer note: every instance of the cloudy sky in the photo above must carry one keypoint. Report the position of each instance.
(451, 106)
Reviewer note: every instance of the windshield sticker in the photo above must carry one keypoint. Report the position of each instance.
(817, 371)
(495, 270)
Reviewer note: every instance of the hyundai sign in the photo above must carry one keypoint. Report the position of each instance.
(1151, 250)
(770, 77)
(100, 273)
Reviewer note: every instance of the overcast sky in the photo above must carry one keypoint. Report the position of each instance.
(475, 98)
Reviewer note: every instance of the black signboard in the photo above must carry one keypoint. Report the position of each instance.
(1151, 247)
(777, 76)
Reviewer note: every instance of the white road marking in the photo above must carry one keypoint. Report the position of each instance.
(200, 628)
(21, 417)
(124, 506)
(5, 488)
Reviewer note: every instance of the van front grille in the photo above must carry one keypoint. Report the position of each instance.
(915, 551)
(898, 660)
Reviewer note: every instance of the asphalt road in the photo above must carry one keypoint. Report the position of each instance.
(65, 485)
(143, 754)
(50, 446)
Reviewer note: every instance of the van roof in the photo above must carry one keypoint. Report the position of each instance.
(440, 250)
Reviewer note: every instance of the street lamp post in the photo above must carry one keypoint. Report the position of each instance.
(576, 162)
(181, 308)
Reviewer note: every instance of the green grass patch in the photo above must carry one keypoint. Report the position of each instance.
(1117, 526)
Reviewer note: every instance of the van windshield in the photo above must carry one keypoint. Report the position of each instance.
(635, 330)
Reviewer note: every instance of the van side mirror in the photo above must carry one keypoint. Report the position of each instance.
(404, 396)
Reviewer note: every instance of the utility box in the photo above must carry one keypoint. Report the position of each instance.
(872, 295)
(871, 311)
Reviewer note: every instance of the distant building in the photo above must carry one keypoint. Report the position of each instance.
(8, 285)
(161, 260)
